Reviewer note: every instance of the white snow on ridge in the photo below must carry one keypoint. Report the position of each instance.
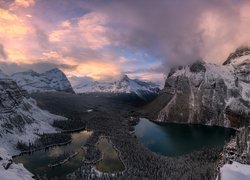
(124, 85)
(20, 120)
(50, 81)
(235, 171)
(41, 123)
(226, 73)
(239, 60)
(15, 171)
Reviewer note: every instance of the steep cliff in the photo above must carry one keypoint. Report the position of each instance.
(20, 118)
(207, 93)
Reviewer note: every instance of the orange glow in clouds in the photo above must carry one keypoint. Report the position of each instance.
(98, 70)
(11, 26)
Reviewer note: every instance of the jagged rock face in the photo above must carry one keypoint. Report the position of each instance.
(20, 118)
(207, 94)
(50, 81)
(243, 51)
(10, 95)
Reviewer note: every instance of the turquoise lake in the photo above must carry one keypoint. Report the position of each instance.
(178, 139)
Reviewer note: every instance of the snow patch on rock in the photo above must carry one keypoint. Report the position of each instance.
(235, 171)
(10, 170)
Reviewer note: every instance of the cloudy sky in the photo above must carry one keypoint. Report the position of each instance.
(107, 38)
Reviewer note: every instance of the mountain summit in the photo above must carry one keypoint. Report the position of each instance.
(236, 56)
(49, 81)
(123, 85)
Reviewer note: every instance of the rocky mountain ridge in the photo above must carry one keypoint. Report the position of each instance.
(49, 81)
(20, 118)
(206, 93)
(123, 85)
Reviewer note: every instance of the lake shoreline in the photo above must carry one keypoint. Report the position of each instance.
(55, 144)
(64, 161)
(59, 160)
(192, 137)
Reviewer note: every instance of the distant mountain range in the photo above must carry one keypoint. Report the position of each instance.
(56, 81)
(50, 81)
(204, 93)
(124, 85)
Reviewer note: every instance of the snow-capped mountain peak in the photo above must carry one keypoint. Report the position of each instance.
(123, 85)
(49, 81)
(57, 73)
(125, 78)
(238, 56)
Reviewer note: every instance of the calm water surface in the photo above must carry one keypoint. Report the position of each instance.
(38, 162)
(168, 140)
(179, 139)
(111, 161)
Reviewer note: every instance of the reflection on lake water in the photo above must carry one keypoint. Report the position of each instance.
(38, 162)
(177, 139)
(111, 161)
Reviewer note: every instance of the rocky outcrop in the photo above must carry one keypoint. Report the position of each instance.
(10, 170)
(50, 81)
(20, 118)
(10, 96)
(238, 149)
(242, 51)
(207, 93)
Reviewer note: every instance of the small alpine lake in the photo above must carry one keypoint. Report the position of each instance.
(110, 161)
(38, 162)
(171, 139)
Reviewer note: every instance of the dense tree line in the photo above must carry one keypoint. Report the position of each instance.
(69, 125)
(92, 152)
(45, 140)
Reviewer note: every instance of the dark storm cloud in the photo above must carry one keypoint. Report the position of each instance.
(173, 31)
(124, 33)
